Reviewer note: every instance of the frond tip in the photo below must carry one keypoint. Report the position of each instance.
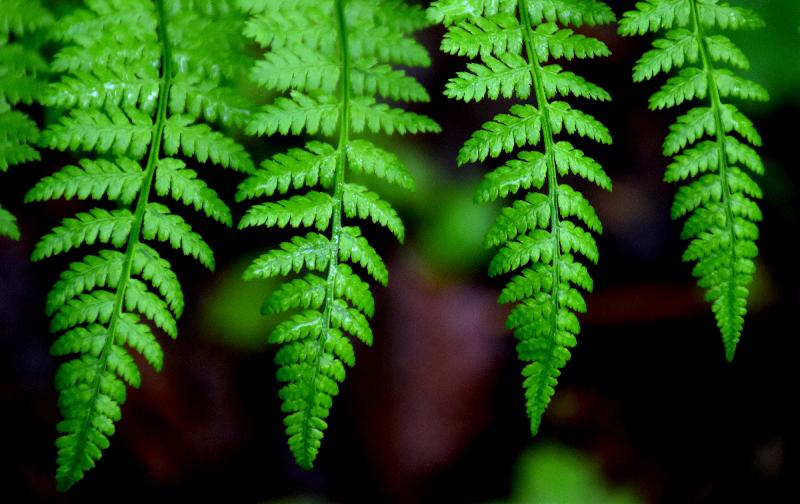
(708, 142)
(540, 235)
(335, 59)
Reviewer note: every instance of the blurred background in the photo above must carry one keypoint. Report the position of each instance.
(647, 410)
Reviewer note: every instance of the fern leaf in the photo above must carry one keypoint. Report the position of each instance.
(358, 201)
(672, 51)
(118, 87)
(502, 134)
(331, 62)
(364, 157)
(307, 292)
(495, 35)
(298, 68)
(531, 213)
(312, 114)
(294, 169)
(199, 97)
(23, 74)
(355, 248)
(505, 76)
(381, 79)
(521, 46)
(367, 115)
(721, 48)
(572, 160)
(552, 42)
(203, 143)
(8, 224)
(310, 209)
(19, 134)
(119, 180)
(311, 252)
(715, 196)
(108, 131)
(172, 178)
(558, 82)
(141, 82)
(162, 225)
(528, 171)
(97, 225)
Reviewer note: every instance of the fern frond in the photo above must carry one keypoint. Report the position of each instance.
(708, 142)
(22, 79)
(334, 59)
(518, 44)
(144, 81)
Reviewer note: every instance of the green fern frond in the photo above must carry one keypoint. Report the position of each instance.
(540, 234)
(22, 79)
(708, 142)
(143, 81)
(336, 59)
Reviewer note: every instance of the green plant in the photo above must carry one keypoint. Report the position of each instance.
(719, 203)
(21, 82)
(139, 78)
(537, 235)
(334, 57)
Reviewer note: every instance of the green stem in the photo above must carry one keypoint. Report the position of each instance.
(341, 159)
(550, 156)
(139, 212)
(336, 230)
(716, 108)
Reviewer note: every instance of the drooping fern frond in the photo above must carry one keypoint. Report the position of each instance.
(542, 235)
(22, 71)
(145, 85)
(710, 144)
(335, 59)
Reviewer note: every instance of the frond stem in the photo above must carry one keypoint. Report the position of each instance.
(336, 229)
(716, 108)
(141, 206)
(549, 152)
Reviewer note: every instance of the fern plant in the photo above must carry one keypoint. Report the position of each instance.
(142, 84)
(710, 144)
(336, 59)
(542, 234)
(21, 81)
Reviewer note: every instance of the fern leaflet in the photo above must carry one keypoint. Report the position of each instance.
(542, 235)
(139, 79)
(21, 82)
(335, 58)
(719, 202)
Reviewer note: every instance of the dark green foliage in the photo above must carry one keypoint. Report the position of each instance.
(142, 82)
(336, 59)
(704, 144)
(22, 79)
(543, 234)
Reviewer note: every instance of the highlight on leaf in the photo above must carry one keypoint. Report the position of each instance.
(22, 78)
(336, 61)
(711, 144)
(145, 86)
(544, 235)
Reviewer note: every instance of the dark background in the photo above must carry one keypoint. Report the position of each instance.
(647, 410)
